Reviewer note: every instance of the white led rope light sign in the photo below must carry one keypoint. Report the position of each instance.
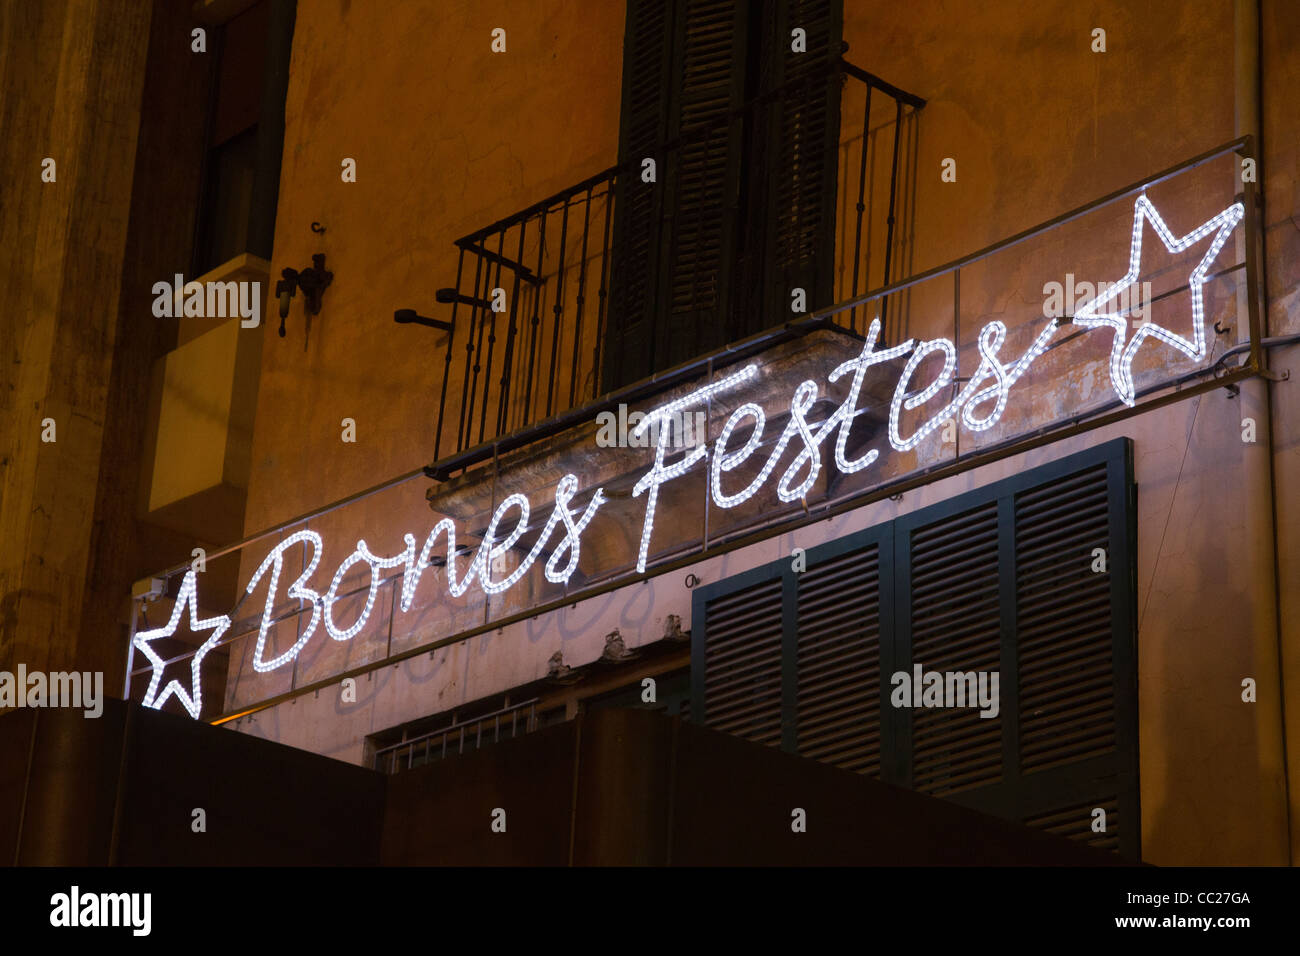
(978, 406)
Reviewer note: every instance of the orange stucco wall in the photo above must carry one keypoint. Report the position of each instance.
(448, 136)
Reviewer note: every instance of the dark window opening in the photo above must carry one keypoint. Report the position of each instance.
(463, 730)
(531, 707)
(241, 174)
(672, 696)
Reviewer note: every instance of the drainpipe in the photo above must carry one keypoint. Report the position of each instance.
(1258, 463)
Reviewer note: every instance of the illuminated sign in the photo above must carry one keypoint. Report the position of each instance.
(979, 405)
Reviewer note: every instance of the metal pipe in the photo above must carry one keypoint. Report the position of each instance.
(1261, 502)
(507, 363)
(469, 353)
(862, 188)
(446, 364)
(492, 341)
(486, 306)
(889, 220)
(533, 332)
(130, 647)
(558, 309)
(911, 99)
(601, 295)
(1066, 428)
(582, 298)
(522, 272)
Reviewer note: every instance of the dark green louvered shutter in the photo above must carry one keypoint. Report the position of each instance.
(704, 180)
(840, 619)
(952, 621)
(1076, 660)
(1001, 578)
(794, 658)
(648, 58)
(743, 211)
(684, 73)
(792, 183)
(737, 674)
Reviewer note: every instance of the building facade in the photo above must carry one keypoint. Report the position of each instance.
(900, 386)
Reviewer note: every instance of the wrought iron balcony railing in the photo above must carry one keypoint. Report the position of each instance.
(457, 736)
(544, 298)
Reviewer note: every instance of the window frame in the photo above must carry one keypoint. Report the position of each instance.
(268, 140)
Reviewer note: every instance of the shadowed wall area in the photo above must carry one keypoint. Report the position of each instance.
(619, 787)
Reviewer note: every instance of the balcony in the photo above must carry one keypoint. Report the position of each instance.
(617, 278)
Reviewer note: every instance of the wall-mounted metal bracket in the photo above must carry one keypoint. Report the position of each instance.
(450, 296)
(410, 316)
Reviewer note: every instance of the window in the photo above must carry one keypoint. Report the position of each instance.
(531, 707)
(463, 730)
(742, 207)
(241, 175)
(1001, 579)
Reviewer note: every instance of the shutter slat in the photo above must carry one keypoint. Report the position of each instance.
(1066, 692)
(742, 693)
(838, 662)
(1075, 823)
(956, 626)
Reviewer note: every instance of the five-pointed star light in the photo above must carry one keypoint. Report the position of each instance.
(1121, 355)
(192, 702)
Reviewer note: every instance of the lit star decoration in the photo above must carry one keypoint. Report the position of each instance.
(192, 703)
(1121, 355)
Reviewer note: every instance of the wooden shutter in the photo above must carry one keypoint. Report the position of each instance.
(684, 72)
(838, 660)
(1063, 622)
(648, 57)
(955, 623)
(741, 667)
(1003, 579)
(739, 216)
(1075, 822)
(1076, 663)
(704, 176)
(798, 170)
(999, 579)
(795, 658)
